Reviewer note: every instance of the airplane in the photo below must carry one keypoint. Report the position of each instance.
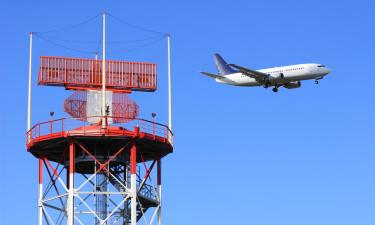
(285, 76)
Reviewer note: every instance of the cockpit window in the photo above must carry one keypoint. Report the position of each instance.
(321, 66)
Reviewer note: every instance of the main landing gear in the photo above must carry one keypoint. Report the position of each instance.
(275, 89)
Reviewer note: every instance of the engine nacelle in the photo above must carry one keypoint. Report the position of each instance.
(276, 77)
(293, 84)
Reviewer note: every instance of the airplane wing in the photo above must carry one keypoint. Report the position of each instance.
(211, 75)
(259, 76)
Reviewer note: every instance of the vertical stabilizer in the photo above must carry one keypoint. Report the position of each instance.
(222, 66)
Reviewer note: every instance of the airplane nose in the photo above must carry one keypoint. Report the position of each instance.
(327, 71)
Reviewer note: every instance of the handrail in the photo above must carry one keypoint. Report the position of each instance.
(62, 125)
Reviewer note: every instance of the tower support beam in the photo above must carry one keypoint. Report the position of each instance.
(40, 194)
(159, 191)
(133, 184)
(70, 203)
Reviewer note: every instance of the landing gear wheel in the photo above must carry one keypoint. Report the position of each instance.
(316, 82)
(275, 89)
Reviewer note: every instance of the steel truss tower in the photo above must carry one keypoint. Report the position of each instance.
(101, 174)
(101, 166)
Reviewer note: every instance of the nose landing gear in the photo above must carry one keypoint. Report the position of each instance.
(316, 81)
(275, 89)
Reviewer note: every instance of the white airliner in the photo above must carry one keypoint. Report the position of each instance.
(284, 76)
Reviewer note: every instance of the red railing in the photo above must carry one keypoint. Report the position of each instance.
(84, 74)
(68, 125)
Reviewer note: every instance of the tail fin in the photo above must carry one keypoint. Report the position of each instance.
(222, 66)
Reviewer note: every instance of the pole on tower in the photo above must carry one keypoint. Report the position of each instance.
(169, 84)
(29, 84)
(103, 74)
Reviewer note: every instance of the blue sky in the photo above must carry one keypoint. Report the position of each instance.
(242, 155)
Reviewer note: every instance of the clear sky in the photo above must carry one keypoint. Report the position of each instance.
(242, 155)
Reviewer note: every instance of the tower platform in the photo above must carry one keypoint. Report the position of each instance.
(51, 139)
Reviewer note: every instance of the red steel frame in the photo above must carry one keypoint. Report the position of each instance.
(74, 192)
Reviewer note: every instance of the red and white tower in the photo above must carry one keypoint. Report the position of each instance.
(103, 164)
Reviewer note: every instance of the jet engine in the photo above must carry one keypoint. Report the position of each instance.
(293, 84)
(276, 77)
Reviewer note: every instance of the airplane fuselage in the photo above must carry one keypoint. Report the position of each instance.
(278, 76)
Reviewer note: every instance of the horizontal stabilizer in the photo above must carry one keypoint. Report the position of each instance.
(211, 75)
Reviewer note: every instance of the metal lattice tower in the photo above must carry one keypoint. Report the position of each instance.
(102, 165)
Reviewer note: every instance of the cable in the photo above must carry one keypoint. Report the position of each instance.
(67, 40)
(47, 38)
(138, 47)
(70, 27)
(63, 46)
(100, 40)
(136, 40)
(135, 26)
